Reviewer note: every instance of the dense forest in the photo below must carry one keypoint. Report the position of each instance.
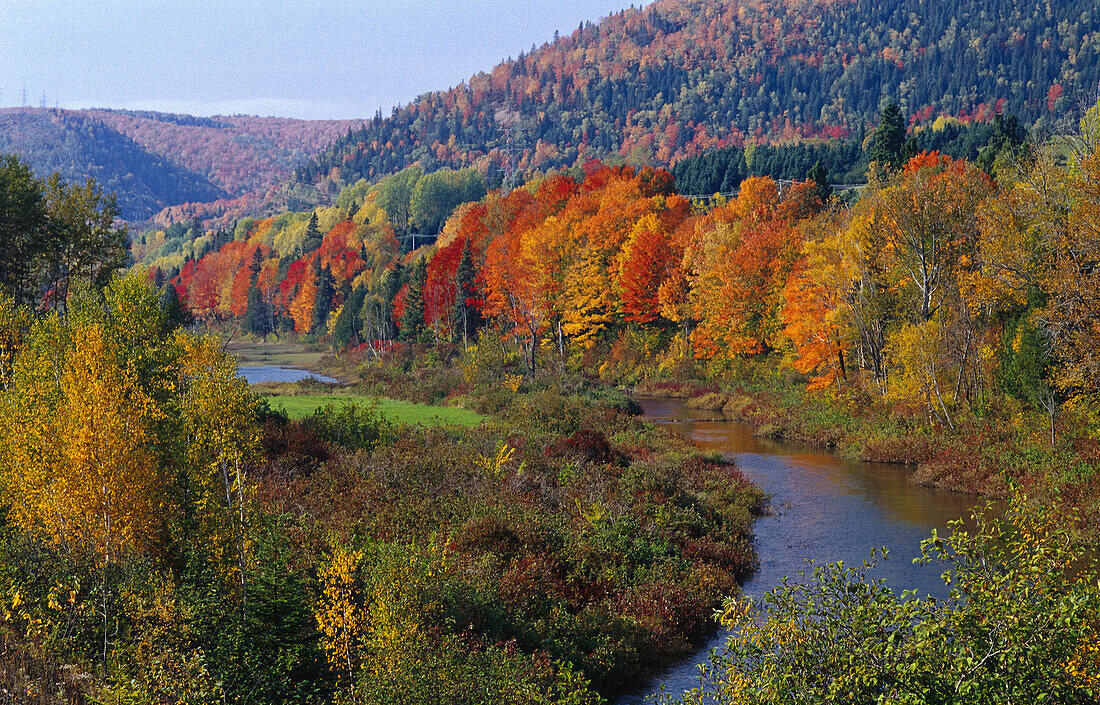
(156, 161)
(79, 147)
(941, 317)
(799, 215)
(166, 536)
(682, 77)
(240, 153)
(676, 79)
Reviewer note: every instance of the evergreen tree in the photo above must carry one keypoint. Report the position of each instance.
(412, 321)
(820, 180)
(176, 313)
(349, 323)
(257, 320)
(467, 317)
(322, 302)
(312, 241)
(391, 284)
(889, 146)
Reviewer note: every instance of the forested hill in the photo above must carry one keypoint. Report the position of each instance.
(241, 153)
(77, 147)
(154, 161)
(684, 76)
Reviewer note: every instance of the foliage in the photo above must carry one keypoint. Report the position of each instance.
(1019, 625)
(681, 77)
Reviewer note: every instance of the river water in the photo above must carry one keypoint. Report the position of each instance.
(823, 507)
(255, 374)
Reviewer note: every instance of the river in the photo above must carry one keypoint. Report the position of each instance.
(255, 374)
(823, 507)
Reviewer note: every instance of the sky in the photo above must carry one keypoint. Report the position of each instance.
(325, 59)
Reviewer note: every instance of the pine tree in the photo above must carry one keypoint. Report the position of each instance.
(313, 238)
(391, 284)
(889, 147)
(467, 317)
(412, 322)
(322, 303)
(256, 318)
(820, 180)
(349, 323)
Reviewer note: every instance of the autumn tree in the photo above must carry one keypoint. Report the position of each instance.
(215, 412)
(1073, 287)
(739, 266)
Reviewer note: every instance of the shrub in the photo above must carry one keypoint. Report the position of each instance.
(1020, 625)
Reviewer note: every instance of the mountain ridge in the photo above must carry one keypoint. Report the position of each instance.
(164, 163)
(681, 77)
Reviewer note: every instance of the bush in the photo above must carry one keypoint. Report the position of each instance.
(1020, 625)
(353, 426)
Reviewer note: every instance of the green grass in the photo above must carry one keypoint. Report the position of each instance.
(300, 406)
(278, 354)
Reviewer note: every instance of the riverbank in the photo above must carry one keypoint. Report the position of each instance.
(985, 455)
(823, 506)
(573, 532)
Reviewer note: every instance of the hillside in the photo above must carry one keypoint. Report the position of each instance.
(77, 147)
(685, 76)
(159, 162)
(242, 154)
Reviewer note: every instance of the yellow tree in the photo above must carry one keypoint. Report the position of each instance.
(340, 614)
(78, 445)
(928, 219)
(216, 413)
(108, 490)
(1073, 288)
(78, 453)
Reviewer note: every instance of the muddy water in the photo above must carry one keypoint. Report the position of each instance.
(823, 508)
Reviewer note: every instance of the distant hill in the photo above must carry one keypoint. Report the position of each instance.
(682, 77)
(77, 146)
(159, 162)
(242, 154)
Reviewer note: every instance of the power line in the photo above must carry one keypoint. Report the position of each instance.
(779, 182)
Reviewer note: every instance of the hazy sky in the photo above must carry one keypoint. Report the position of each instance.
(320, 59)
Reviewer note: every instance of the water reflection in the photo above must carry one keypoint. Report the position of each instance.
(255, 374)
(824, 507)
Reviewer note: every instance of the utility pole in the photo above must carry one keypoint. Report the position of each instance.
(24, 95)
(512, 153)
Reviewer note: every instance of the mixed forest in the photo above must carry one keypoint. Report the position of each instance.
(944, 295)
(170, 536)
(168, 167)
(854, 245)
(649, 87)
(683, 77)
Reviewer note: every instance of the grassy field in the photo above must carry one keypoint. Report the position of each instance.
(278, 354)
(298, 406)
